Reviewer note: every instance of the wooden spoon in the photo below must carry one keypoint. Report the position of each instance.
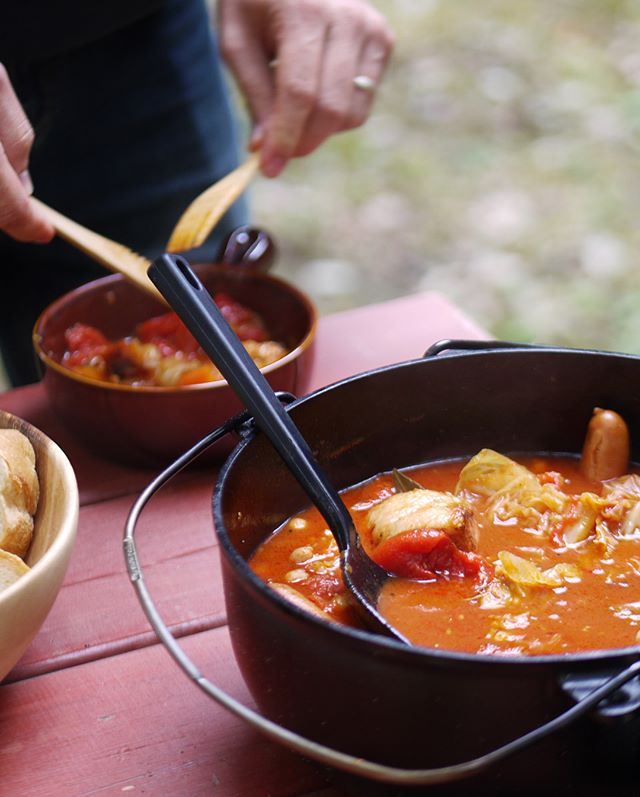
(207, 209)
(190, 300)
(111, 254)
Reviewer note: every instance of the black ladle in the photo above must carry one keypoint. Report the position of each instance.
(188, 297)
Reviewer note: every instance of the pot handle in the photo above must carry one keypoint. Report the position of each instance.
(462, 346)
(624, 703)
(249, 248)
(300, 744)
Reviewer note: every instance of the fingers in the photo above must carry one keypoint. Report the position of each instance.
(320, 47)
(332, 104)
(248, 55)
(358, 47)
(297, 75)
(318, 59)
(16, 134)
(373, 63)
(18, 217)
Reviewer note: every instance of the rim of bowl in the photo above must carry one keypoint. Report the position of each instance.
(218, 384)
(62, 545)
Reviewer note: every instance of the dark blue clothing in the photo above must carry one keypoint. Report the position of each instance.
(129, 129)
(32, 30)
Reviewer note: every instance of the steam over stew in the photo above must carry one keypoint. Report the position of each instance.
(494, 555)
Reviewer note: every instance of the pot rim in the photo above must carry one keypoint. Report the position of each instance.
(387, 643)
(157, 390)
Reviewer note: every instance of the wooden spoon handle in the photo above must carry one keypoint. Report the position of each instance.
(111, 254)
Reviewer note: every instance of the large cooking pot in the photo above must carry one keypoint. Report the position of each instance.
(387, 708)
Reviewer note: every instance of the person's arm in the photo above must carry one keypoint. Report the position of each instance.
(295, 61)
(19, 218)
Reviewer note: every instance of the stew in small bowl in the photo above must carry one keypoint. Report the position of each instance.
(127, 378)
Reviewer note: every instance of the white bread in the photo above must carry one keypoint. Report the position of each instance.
(11, 568)
(19, 491)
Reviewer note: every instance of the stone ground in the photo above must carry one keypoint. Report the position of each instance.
(501, 166)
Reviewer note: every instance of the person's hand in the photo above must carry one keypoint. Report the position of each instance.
(295, 61)
(19, 218)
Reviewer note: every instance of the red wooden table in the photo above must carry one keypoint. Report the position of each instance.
(96, 706)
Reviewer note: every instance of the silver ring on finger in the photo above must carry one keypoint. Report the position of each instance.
(364, 83)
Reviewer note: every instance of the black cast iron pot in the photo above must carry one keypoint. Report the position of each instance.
(408, 708)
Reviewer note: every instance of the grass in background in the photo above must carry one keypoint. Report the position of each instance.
(501, 166)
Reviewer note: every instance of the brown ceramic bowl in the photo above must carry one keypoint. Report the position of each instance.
(152, 425)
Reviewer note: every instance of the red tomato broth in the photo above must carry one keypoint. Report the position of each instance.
(596, 612)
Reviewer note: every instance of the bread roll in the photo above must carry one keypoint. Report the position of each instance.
(19, 491)
(11, 568)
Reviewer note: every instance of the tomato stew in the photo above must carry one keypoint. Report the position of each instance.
(493, 555)
(162, 352)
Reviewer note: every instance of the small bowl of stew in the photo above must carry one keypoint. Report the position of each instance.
(127, 378)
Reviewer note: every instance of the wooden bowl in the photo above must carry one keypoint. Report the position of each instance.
(25, 604)
(152, 425)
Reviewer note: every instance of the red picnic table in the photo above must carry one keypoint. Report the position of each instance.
(96, 706)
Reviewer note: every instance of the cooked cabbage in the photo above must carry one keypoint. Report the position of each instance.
(622, 497)
(627, 486)
(525, 573)
(587, 510)
(513, 491)
(490, 472)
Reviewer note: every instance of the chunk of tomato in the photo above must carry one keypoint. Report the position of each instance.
(84, 343)
(159, 326)
(246, 323)
(168, 333)
(426, 554)
(82, 336)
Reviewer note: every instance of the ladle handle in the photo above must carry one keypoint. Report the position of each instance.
(182, 289)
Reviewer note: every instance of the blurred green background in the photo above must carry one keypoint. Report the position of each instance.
(501, 166)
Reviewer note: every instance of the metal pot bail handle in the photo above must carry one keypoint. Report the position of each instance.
(300, 744)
